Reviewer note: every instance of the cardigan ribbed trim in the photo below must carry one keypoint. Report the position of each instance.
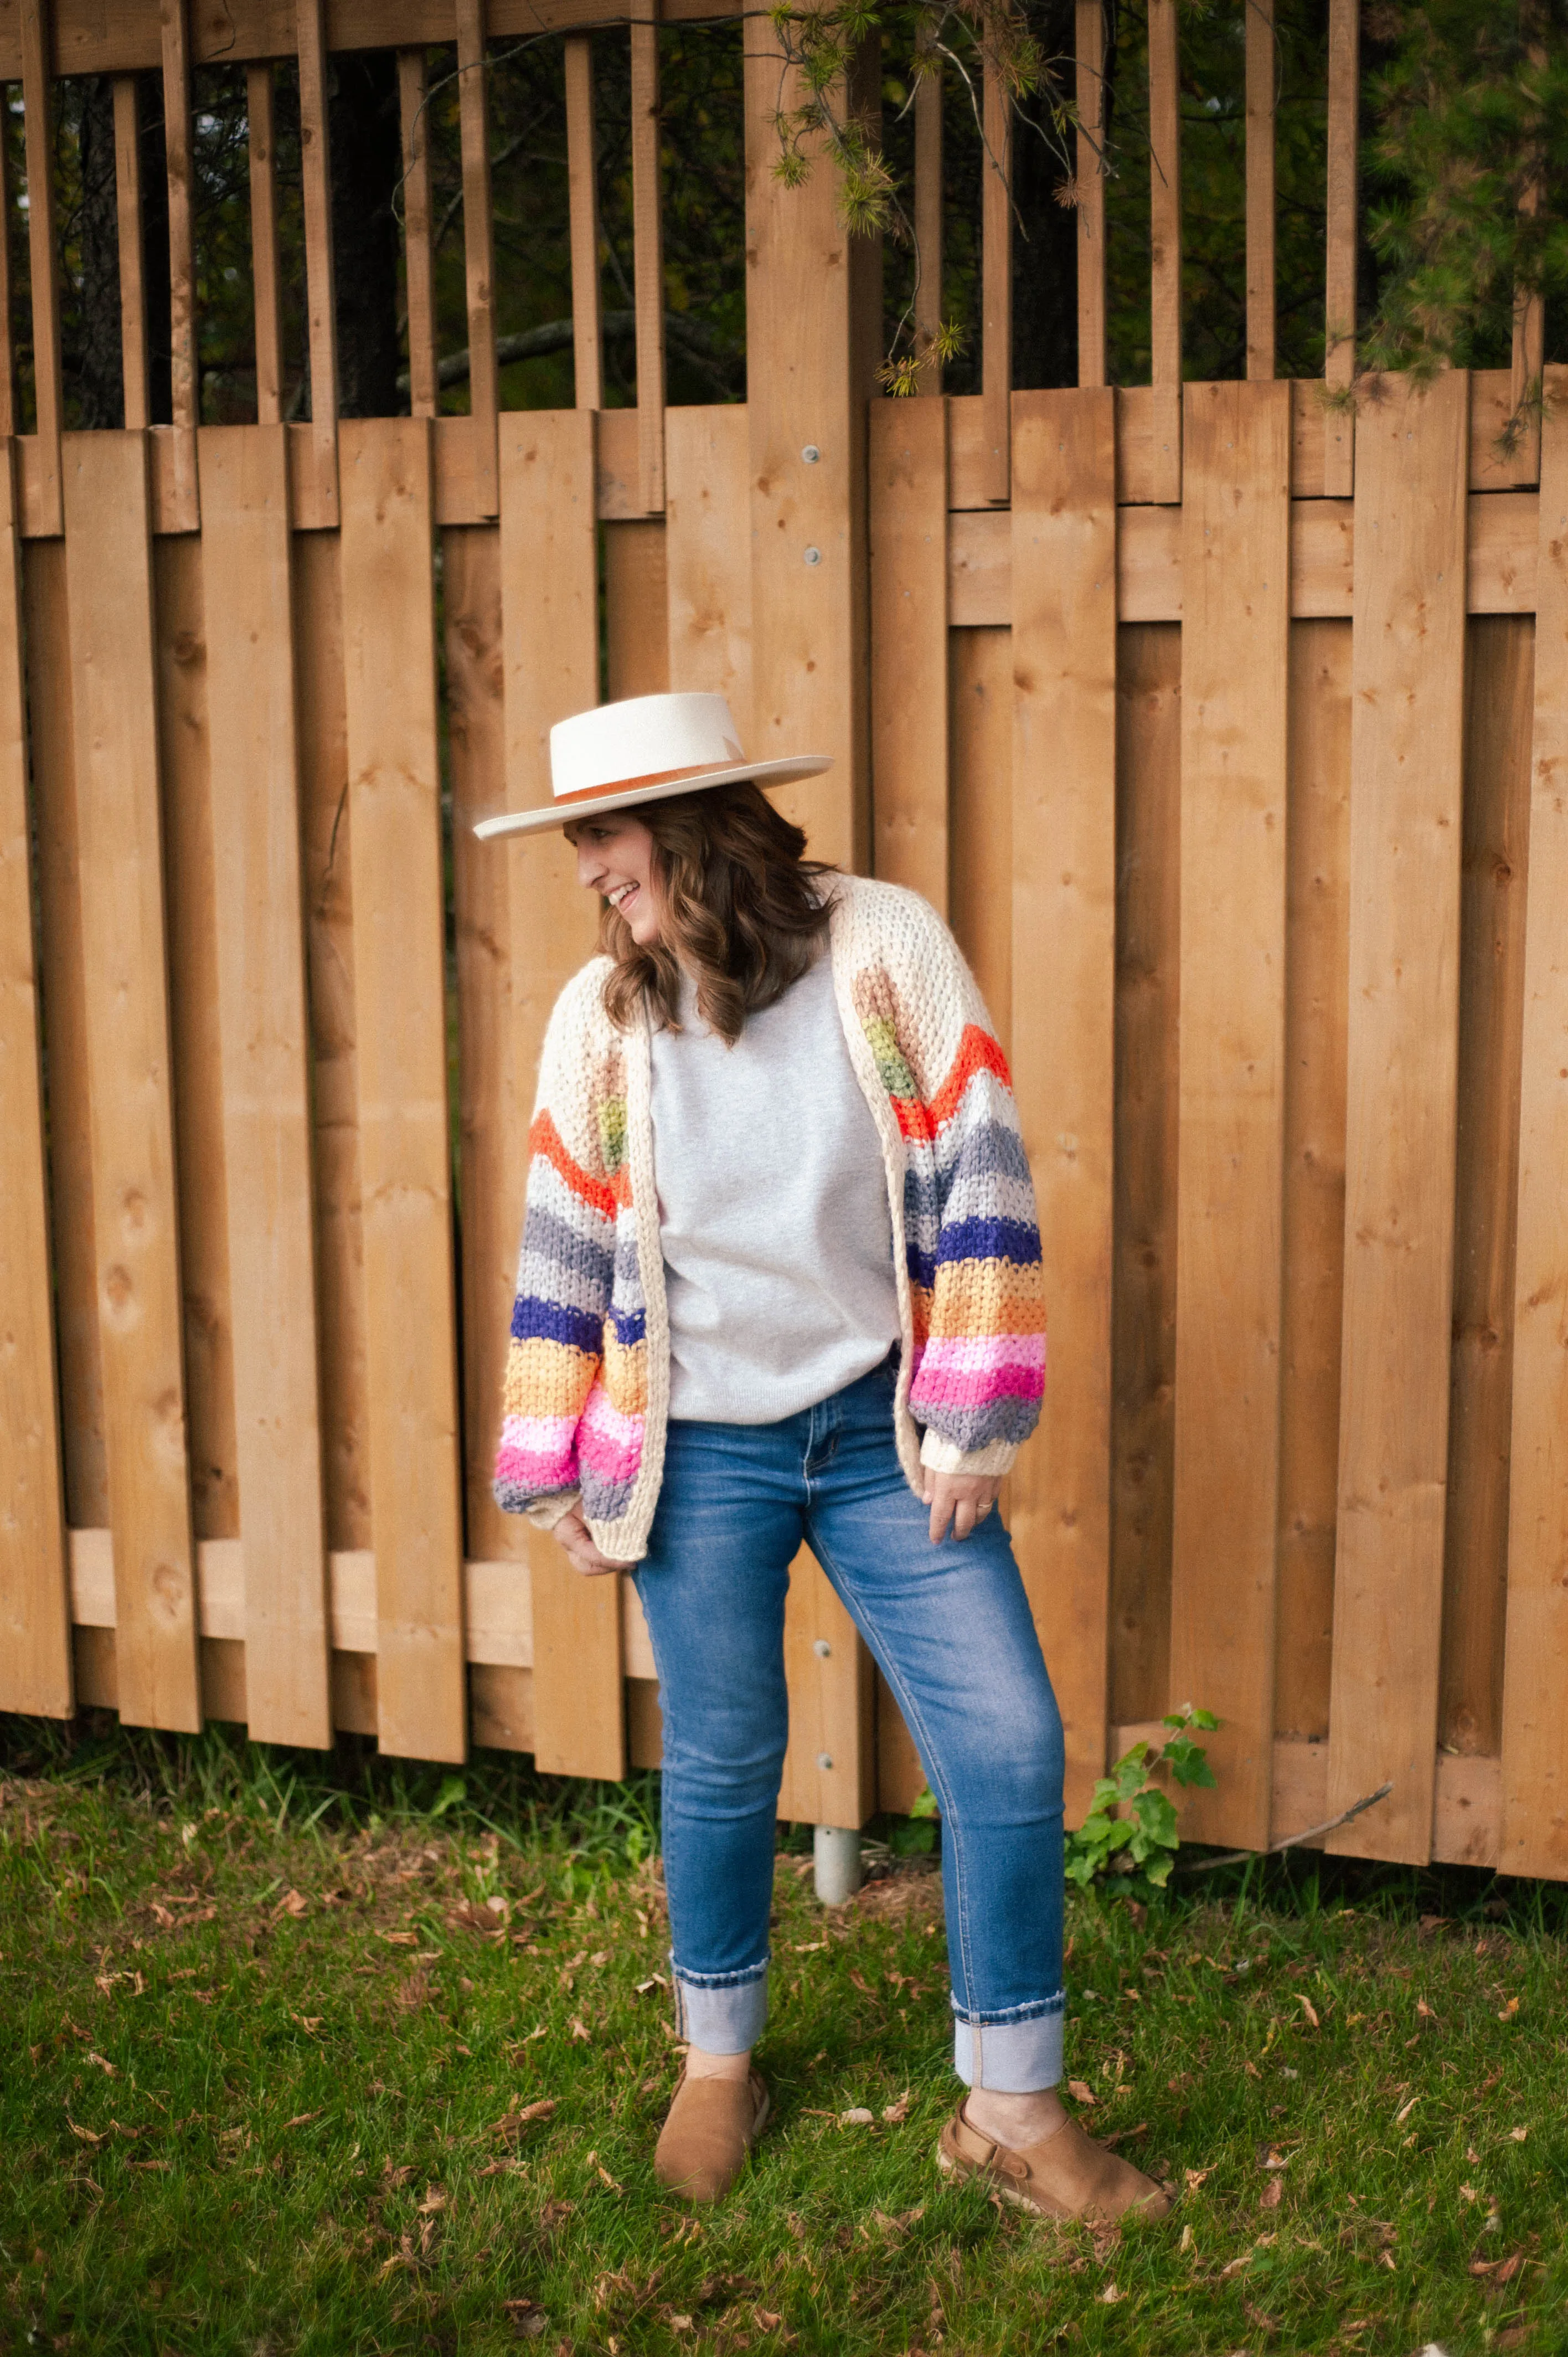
(588, 1382)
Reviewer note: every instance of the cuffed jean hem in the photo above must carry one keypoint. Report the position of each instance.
(1018, 2056)
(723, 2013)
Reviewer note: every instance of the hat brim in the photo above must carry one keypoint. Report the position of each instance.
(564, 814)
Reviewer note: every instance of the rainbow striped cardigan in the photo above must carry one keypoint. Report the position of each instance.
(587, 1380)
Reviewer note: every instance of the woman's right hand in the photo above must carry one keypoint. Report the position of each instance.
(574, 1536)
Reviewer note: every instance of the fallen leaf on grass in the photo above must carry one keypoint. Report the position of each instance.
(309, 2022)
(529, 2320)
(1272, 2193)
(577, 2029)
(511, 2122)
(1234, 2266)
(149, 2164)
(1081, 2091)
(1424, 2010)
(435, 2199)
(859, 2117)
(1405, 2110)
(609, 2180)
(1121, 2136)
(1509, 2010)
(399, 1939)
(98, 2060)
(1308, 2008)
(302, 2119)
(1110, 2296)
(654, 1980)
(88, 2136)
(897, 2113)
(765, 2319)
(293, 1902)
(1518, 2136)
(1195, 2178)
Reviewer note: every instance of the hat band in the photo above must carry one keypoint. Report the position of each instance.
(631, 785)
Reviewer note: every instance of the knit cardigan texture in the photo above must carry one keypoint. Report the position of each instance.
(587, 1380)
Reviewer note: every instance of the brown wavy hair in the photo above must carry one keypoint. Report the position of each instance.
(740, 908)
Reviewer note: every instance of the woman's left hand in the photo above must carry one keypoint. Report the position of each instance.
(961, 1498)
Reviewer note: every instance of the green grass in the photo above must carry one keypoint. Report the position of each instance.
(267, 2043)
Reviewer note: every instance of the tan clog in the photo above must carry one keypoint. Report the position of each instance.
(1067, 2175)
(711, 2125)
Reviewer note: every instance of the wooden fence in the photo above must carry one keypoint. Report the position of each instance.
(1208, 700)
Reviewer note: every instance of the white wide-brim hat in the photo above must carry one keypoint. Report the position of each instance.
(644, 750)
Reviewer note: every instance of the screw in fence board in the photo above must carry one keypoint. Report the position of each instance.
(928, 222)
(140, 1298)
(550, 652)
(478, 251)
(1090, 183)
(263, 1028)
(1535, 1725)
(707, 560)
(1164, 223)
(1316, 983)
(648, 265)
(47, 517)
(1260, 71)
(417, 257)
(1064, 938)
(1339, 285)
(182, 502)
(1234, 636)
(133, 290)
(996, 279)
(35, 1612)
(320, 279)
(394, 849)
(583, 200)
(1407, 746)
(261, 126)
(907, 464)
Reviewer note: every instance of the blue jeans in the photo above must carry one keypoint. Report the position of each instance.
(950, 1628)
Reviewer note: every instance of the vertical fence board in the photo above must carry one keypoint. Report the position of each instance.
(1260, 76)
(807, 292)
(980, 821)
(1235, 627)
(266, 1079)
(478, 251)
(328, 828)
(1406, 756)
(320, 277)
(582, 181)
(128, 215)
(1535, 1725)
(487, 1111)
(1064, 959)
(1317, 977)
(185, 739)
(7, 336)
(35, 1610)
(1497, 697)
(1090, 44)
(1340, 286)
(1165, 227)
(60, 961)
(264, 275)
(400, 1001)
(707, 561)
(996, 279)
(551, 655)
(928, 223)
(1148, 934)
(106, 514)
(908, 525)
(34, 25)
(181, 504)
(636, 620)
(648, 265)
(418, 261)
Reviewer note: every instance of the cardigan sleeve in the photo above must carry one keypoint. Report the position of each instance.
(564, 1272)
(971, 1227)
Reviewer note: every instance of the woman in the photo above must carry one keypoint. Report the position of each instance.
(781, 1281)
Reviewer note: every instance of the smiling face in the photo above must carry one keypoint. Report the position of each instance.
(615, 859)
